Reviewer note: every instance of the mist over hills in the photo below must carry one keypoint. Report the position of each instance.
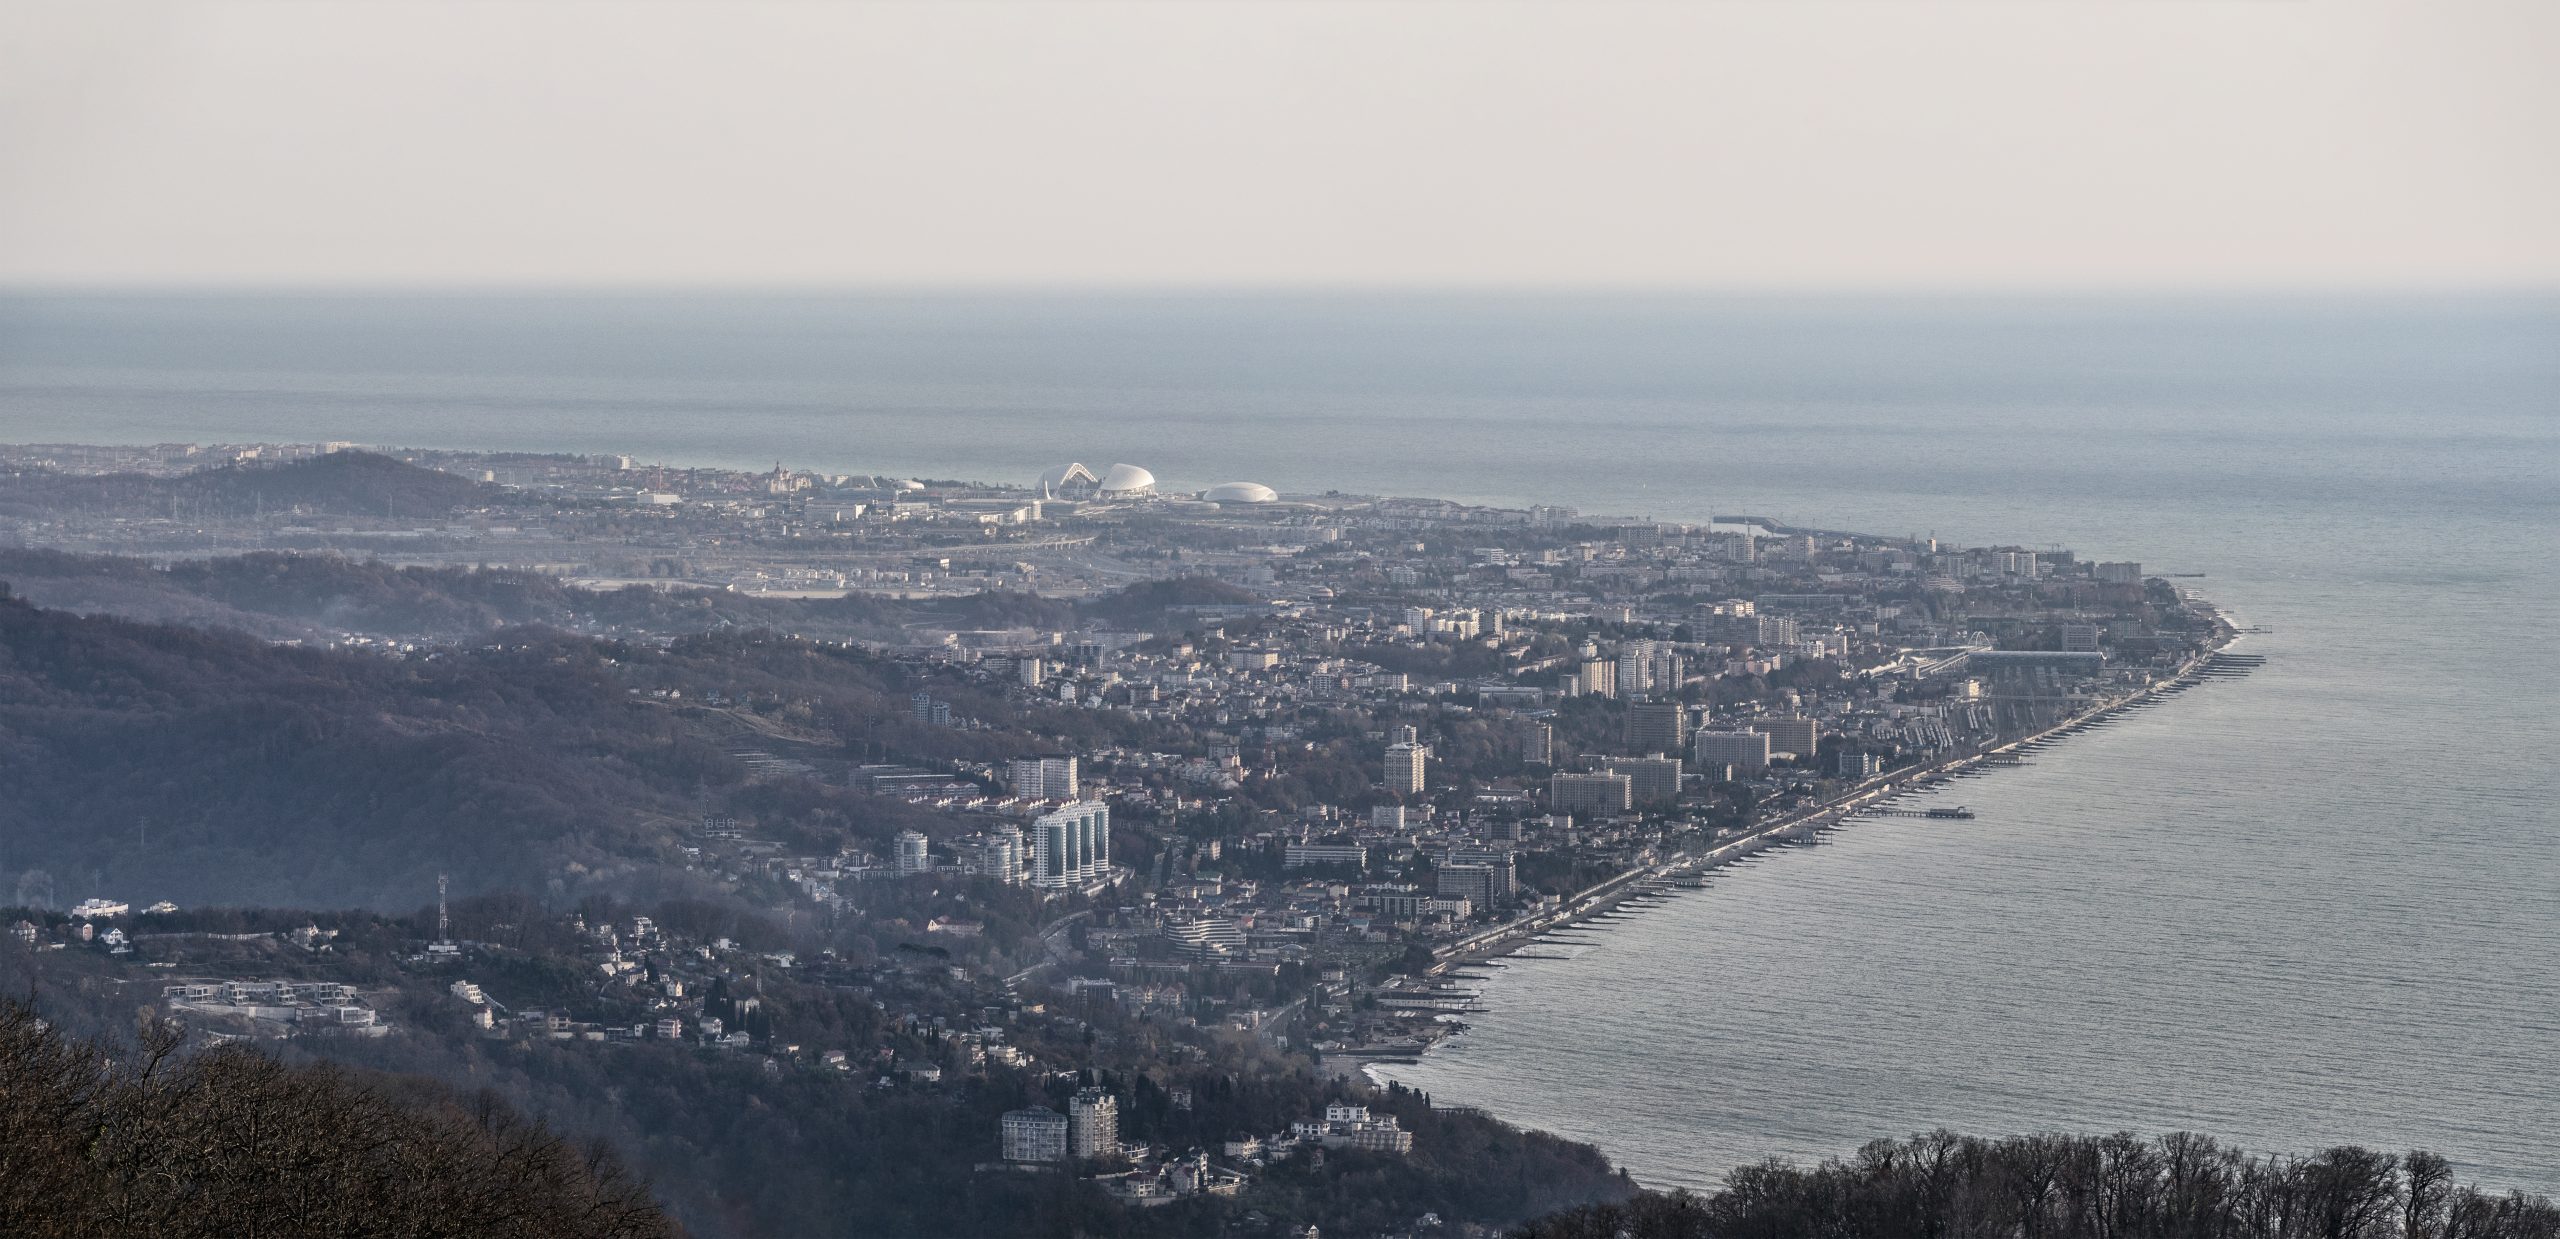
(306, 597)
(348, 483)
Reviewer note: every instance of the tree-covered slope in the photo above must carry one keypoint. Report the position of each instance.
(2052, 1186)
(333, 484)
(156, 762)
(149, 1139)
(320, 596)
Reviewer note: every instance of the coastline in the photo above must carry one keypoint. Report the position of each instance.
(1657, 880)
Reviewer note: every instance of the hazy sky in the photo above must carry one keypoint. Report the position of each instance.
(1715, 143)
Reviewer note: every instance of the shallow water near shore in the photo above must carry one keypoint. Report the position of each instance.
(2317, 904)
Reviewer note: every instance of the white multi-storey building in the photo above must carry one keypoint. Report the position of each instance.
(998, 854)
(1408, 768)
(1071, 847)
(1038, 1134)
(1206, 937)
(1306, 855)
(915, 854)
(1093, 1124)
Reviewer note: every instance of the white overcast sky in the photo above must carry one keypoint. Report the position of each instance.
(1685, 143)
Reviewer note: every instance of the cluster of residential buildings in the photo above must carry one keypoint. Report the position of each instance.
(275, 1008)
(1395, 726)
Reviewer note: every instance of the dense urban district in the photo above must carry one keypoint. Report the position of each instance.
(880, 856)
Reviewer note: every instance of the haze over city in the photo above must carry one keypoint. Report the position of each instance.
(1828, 144)
(1333, 619)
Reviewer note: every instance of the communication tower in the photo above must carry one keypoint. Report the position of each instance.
(444, 944)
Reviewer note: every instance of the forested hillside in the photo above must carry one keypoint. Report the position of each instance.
(320, 596)
(2179, 1186)
(106, 1141)
(206, 767)
(336, 484)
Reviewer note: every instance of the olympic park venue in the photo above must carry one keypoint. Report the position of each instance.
(1126, 481)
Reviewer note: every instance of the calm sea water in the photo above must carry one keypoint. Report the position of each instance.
(2318, 905)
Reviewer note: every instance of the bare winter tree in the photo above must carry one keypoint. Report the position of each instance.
(2180, 1186)
(155, 1140)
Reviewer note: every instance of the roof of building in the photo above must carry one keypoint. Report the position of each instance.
(1240, 492)
(1126, 479)
(1073, 471)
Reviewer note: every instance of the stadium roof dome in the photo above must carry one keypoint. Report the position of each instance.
(1127, 480)
(1240, 492)
(1067, 475)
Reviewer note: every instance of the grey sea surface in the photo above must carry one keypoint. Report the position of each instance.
(2320, 904)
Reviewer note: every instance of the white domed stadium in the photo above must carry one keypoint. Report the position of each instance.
(1240, 492)
(1127, 482)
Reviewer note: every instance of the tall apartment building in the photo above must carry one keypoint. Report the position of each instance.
(915, 854)
(1591, 795)
(1093, 1124)
(1748, 750)
(1800, 736)
(1038, 1134)
(1388, 818)
(1044, 778)
(2080, 638)
(1408, 768)
(1650, 780)
(1502, 863)
(1657, 727)
(2125, 572)
(1669, 669)
(1473, 883)
(1072, 846)
(1538, 744)
(1597, 677)
(997, 854)
(1635, 668)
(1777, 630)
